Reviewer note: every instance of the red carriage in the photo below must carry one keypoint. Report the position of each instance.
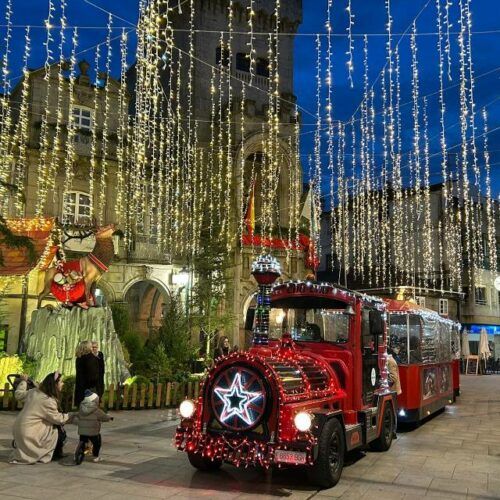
(304, 399)
(427, 349)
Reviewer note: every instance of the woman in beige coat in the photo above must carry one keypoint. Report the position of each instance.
(35, 429)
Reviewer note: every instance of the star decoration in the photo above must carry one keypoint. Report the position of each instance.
(237, 401)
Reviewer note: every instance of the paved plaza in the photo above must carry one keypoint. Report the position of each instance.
(454, 455)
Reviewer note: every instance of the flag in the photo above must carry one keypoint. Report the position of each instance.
(250, 212)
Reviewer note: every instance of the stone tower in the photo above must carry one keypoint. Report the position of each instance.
(210, 23)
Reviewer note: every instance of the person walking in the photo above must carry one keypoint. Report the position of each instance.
(38, 430)
(102, 368)
(89, 420)
(87, 370)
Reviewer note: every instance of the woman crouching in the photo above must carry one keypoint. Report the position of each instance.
(38, 432)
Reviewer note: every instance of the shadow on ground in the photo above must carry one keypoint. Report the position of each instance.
(162, 472)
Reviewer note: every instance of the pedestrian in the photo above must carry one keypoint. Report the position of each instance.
(89, 420)
(87, 370)
(102, 368)
(223, 348)
(392, 367)
(38, 430)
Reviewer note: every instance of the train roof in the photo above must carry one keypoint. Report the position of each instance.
(320, 294)
(410, 307)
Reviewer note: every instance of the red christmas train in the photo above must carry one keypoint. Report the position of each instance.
(304, 399)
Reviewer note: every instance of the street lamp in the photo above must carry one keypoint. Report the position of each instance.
(181, 278)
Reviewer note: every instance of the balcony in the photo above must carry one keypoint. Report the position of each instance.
(258, 80)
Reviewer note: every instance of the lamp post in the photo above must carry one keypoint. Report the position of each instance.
(266, 270)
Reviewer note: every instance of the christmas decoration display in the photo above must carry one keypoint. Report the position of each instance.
(180, 178)
(295, 401)
(71, 282)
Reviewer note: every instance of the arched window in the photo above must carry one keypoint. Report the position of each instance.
(76, 208)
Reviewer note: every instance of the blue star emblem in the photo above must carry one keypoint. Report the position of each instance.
(237, 401)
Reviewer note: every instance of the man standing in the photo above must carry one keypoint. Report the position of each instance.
(100, 356)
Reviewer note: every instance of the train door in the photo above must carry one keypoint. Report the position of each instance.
(372, 331)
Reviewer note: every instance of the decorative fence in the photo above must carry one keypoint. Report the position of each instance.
(124, 397)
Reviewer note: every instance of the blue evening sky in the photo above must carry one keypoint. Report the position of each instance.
(369, 18)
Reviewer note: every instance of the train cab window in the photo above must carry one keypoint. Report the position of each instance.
(310, 325)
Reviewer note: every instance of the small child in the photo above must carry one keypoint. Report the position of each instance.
(89, 420)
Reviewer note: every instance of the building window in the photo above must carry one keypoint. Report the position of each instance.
(222, 56)
(77, 208)
(262, 67)
(242, 62)
(82, 117)
(4, 332)
(420, 301)
(443, 307)
(480, 295)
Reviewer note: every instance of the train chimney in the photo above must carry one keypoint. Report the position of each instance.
(266, 270)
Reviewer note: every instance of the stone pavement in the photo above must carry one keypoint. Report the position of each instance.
(454, 455)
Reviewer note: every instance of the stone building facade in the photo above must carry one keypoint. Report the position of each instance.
(141, 276)
(210, 19)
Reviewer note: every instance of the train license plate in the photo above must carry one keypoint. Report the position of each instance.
(290, 457)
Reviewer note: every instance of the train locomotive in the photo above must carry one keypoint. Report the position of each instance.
(303, 399)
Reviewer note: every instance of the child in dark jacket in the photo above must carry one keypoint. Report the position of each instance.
(89, 420)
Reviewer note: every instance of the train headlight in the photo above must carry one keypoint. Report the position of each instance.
(186, 408)
(303, 421)
(402, 413)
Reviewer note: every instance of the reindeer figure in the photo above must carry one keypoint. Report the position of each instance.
(71, 282)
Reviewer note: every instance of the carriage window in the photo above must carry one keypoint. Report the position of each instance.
(404, 335)
(310, 325)
(430, 341)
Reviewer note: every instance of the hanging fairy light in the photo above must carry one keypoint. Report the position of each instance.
(447, 26)
(463, 186)
(5, 113)
(417, 167)
(489, 202)
(241, 175)
(251, 42)
(350, 51)
(229, 137)
(95, 139)
(329, 120)
(71, 155)
(42, 187)
(428, 254)
(22, 130)
(122, 128)
(103, 180)
(317, 175)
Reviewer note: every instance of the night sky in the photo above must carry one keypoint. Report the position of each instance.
(369, 18)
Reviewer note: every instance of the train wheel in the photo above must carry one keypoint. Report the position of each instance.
(203, 463)
(327, 468)
(384, 441)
